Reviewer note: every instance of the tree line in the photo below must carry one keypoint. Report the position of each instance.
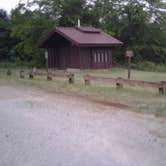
(140, 24)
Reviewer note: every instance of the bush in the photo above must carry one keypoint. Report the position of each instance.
(149, 66)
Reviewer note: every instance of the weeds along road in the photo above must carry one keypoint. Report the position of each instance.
(42, 129)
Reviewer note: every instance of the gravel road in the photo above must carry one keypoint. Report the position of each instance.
(38, 128)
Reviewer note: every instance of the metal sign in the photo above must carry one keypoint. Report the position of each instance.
(129, 53)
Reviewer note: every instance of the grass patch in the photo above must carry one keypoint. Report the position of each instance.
(146, 100)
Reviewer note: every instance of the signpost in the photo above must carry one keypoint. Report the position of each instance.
(46, 57)
(129, 55)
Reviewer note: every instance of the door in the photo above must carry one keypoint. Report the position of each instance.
(52, 58)
(63, 53)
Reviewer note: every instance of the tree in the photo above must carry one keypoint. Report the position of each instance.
(5, 40)
(141, 25)
(28, 26)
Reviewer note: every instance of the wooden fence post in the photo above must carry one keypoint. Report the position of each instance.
(9, 72)
(119, 85)
(22, 74)
(162, 89)
(87, 81)
(71, 79)
(49, 77)
(31, 75)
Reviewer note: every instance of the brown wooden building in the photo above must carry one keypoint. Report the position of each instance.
(79, 47)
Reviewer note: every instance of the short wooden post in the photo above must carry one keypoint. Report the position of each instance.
(49, 77)
(87, 81)
(71, 79)
(22, 74)
(31, 75)
(9, 72)
(119, 85)
(162, 89)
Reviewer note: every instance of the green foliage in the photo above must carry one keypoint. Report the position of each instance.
(28, 26)
(141, 25)
(149, 66)
(5, 40)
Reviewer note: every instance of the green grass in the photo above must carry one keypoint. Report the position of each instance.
(145, 100)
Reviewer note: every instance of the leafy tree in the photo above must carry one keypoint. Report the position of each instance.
(5, 40)
(28, 27)
(141, 25)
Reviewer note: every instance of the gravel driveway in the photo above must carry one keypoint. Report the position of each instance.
(38, 128)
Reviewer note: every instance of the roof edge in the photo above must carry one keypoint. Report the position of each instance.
(56, 30)
(66, 37)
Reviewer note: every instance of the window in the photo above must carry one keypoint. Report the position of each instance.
(95, 57)
(101, 56)
(106, 57)
(98, 55)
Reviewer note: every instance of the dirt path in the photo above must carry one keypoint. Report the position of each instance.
(43, 129)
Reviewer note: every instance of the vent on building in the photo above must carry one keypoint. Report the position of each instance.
(88, 29)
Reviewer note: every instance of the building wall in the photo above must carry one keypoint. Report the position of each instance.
(63, 53)
(101, 58)
(96, 58)
(52, 58)
(85, 58)
(74, 57)
(69, 56)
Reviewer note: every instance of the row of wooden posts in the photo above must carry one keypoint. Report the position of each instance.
(49, 76)
(120, 82)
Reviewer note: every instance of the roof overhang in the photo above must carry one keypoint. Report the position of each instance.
(68, 38)
(101, 45)
(42, 43)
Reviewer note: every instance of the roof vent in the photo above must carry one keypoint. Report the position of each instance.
(88, 29)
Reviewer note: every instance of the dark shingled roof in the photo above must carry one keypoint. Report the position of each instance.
(84, 36)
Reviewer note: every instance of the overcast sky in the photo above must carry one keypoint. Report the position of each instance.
(8, 4)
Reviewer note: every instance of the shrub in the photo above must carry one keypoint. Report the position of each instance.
(149, 66)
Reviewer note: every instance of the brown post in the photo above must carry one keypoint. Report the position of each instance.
(162, 89)
(87, 81)
(71, 79)
(129, 67)
(31, 75)
(49, 77)
(22, 74)
(9, 72)
(129, 54)
(119, 85)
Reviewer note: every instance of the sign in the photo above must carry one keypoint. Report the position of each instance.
(129, 53)
(46, 54)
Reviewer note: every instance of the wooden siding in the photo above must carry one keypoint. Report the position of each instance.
(101, 58)
(52, 62)
(70, 56)
(74, 57)
(85, 58)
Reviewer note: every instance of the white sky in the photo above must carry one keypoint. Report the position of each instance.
(8, 4)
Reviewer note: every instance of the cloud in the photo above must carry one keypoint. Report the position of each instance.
(8, 4)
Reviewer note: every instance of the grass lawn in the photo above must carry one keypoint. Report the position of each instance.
(146, 100)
